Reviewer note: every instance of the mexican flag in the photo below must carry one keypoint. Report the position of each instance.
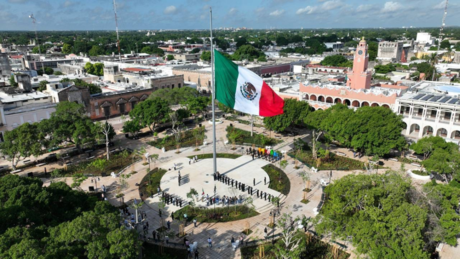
(241, 89)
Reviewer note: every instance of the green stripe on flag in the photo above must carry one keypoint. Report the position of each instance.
(226, 77)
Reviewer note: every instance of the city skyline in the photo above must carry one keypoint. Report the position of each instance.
(194, 14)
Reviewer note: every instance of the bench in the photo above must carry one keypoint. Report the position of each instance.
(41, 164)
(26, 162)
(394, 159)
(16, 171)
(415, 164)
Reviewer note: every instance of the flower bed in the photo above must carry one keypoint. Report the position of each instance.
(243, 137)
(218, 214)
(100, 165)
(150, 182)
(334, 163)
(278, 180)
(169, 142)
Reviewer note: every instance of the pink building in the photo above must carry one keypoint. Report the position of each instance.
(357, 91)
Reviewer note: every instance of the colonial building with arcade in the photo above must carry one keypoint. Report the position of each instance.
(356, 91)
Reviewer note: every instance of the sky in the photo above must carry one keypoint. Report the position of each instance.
(194, 14)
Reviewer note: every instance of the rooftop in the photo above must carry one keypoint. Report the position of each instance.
(434, 92)
(9, 98)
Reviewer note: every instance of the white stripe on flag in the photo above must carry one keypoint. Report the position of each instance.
(241, 103)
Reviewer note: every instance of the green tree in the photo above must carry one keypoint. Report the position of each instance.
(378, 213)
(195, 50)
(335, 60)
(22, 142)
(95, 51)
(98, 69)
(445, 44)
(13, 81)
(169, 57)
(294, 113)
(70, 123)
(66, 48)
(132, 126)
(89, 68)
(150, 112)
(247, 52)
(197, 105)
(281, 41)
(42, 86)
(206, 56)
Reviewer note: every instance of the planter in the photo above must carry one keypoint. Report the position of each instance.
(419, 177)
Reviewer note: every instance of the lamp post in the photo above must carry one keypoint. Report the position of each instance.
(36, 39)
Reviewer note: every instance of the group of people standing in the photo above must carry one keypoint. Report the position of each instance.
(267, 154)
(242, 186)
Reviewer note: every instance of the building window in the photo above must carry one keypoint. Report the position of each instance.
(122, 108)
(447, 115)
(178, 85)
(132, 105)
(107, 111)
(1, 137)
(172, 86)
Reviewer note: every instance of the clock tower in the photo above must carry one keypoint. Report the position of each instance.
(360, 77)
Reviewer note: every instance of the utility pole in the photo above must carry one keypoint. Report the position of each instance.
(116, 26)
(440, 34)
(36, 39)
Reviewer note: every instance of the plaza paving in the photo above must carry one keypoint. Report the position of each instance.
(199, 175)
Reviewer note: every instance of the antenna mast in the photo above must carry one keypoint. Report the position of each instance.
(116, 26)
(442, 25)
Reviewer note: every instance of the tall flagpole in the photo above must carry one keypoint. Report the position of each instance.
(213, 85)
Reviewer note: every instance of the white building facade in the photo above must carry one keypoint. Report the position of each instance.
(431, 109)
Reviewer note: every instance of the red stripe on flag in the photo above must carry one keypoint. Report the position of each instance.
(270, 103)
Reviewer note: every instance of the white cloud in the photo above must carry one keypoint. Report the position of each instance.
(440, 5)
(364, 8)
(391, 7)
(330, 5)
(277, 13)
(232, 11)
(307, 10)
(326, 6)
(68, 3)
(170, 9)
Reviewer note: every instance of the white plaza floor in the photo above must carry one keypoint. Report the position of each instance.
(199, 176)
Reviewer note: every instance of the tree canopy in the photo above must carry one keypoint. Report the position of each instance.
(371, 130)
(247, 52)
(22, 142)
(94, 69)
(56, 221)
(150, 112)
(294, 112)
(336, 61)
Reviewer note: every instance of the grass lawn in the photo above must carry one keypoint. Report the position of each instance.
(219, 214)
(334, 162)
(242, 137)
(151, 181)
(218, 155)
(152, 251)
(315, 249)
(282, 185)
(246, 122)
(187, 140)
